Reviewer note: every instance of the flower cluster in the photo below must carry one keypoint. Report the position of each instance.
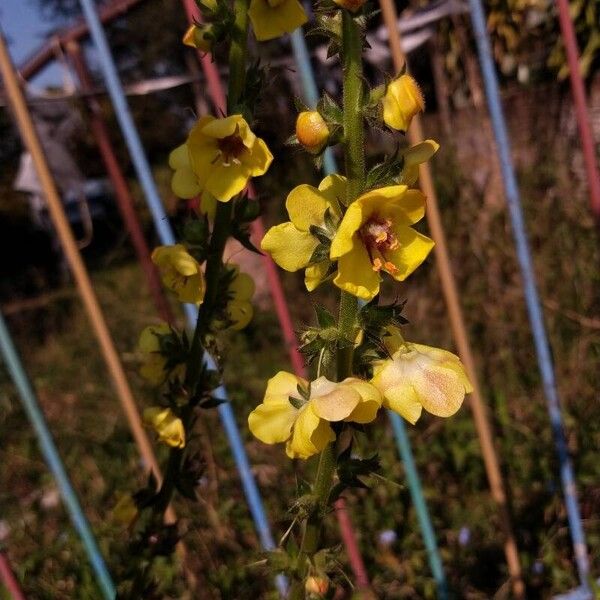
(353, 242)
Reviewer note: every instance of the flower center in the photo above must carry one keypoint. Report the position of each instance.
(378, 238)
(231, 148)
(275, 3)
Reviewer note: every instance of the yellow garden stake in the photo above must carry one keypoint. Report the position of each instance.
(477, 404)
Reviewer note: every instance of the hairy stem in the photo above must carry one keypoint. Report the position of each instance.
(355, 174)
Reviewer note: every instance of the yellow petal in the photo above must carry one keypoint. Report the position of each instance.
(315, 274)
(184, 183)
(356, 275)
(269, 22)
(259, 159)
(343, 241)
(406, 208)
(413, 249)
(179, 158)
(440, 390)
(226, 181)
(310, 435)
(331, 401)
(283, 385)
(221, 128)
(290, 248)
(272, 423)
(333, 189)
(402, 399)
(242, 287)
(239, 313)
(148, 341)
(370, 401)
(306, 206)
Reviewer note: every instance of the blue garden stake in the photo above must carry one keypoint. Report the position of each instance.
(167, 237)
(311, 94)
(536, 319)
(52, 458)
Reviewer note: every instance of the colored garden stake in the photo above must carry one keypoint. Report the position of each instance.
(49, 451)
(477, 404)
(534, 309)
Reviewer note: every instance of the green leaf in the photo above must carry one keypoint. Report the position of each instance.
(324, 317)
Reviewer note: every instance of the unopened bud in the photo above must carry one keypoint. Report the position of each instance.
(312, 131)
(316, 585)
(200, 37)
(402, 101)
(351, 5)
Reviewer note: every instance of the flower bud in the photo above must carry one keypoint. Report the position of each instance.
(351, 5)
(316, 585)
(200, 37)
(312, 131)
(402, 101)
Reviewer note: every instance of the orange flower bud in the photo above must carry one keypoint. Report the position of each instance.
(316, 585)
(312, 131)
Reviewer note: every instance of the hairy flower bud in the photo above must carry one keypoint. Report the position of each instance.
(351, 5)
(402, 101)
(200, 37)
(312, 131)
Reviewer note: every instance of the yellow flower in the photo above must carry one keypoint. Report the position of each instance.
(316, 585)
(302, 420)
(418, 377)
(180, 273)
(291, 244)
(413, 157)
(312, 131)
(402, 101)
(168, 427)
(375, 235)
(273, 18)
(125, 511)
(238, 310)
(351, 5)
(154, 365)
(219, 156)
(199, 36)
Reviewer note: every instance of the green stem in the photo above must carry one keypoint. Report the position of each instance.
(354, 137)
(355, 174)
(237, 54)
(312, 530)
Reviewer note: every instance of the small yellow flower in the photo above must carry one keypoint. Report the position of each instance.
(304, 422)
(312, 131)
(273, 18)
(418, 377)
(154, 364)
(168, 427)
(351, 5)
(375, 235)
(239, 310)
(125, 511)
(199, 36)
(415, 156)
(291, 244)
(402, 101)
(180, 273)
(219, 156)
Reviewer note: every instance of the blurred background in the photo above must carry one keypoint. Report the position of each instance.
(166, 91)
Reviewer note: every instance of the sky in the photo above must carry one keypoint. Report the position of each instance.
(23, 24)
